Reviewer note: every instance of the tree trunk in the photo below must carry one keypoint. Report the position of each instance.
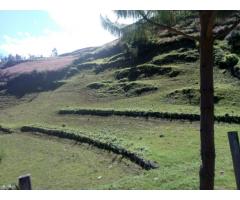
(207, 106)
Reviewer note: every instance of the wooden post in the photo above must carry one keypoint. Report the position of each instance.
(24, 182)
(235, 150)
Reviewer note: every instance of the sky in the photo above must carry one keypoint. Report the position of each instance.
(38, 32)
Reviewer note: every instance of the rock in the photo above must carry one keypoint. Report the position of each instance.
(99, 177)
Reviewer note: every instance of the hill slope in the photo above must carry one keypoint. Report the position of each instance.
(162, 77)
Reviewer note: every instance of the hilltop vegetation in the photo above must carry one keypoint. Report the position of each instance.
(160, 75)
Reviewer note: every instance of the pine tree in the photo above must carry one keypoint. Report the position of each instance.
(166, 20)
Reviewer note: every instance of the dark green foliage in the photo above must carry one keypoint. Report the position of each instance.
(96, 85)
(176, 57)
(145, 164)
(145, 70)
(5, 130)
(142, 29)
(174, 73)
(228, 61)
(236, 71)
(219, 54)
(132, 88)
(126, 88)
(136, 88)
(139, 91)
(189, 96)
(224, 59)
(234, 40)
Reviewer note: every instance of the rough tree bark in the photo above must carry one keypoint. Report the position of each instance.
(207, 167)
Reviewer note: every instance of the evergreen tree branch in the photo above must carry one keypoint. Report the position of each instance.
(144, 16)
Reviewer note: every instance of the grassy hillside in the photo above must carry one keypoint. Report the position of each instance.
(162, 77)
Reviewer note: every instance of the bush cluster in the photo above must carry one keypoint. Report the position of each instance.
(234, 40)
(229, 61)
(175, 57)
(145, 70)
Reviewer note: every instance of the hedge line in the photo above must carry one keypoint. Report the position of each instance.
(164, 115)
(5, 130)
(145, 164)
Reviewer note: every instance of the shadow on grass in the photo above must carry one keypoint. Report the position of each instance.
(35, 82)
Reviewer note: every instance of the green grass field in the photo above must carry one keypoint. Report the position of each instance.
(60, 164)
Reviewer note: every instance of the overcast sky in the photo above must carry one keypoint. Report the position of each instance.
(38, 32)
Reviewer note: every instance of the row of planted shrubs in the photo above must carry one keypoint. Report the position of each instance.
(145, 164)
(5, 130)
(164, 115)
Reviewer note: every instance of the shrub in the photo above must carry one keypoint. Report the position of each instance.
(218, 54)
(141, 90)
(123, 88)
(188, 96)
(145, 70)
(229, 61)
(96, 85)
(5, 130)
(236, 71)
(176, 57)
(234, 40)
